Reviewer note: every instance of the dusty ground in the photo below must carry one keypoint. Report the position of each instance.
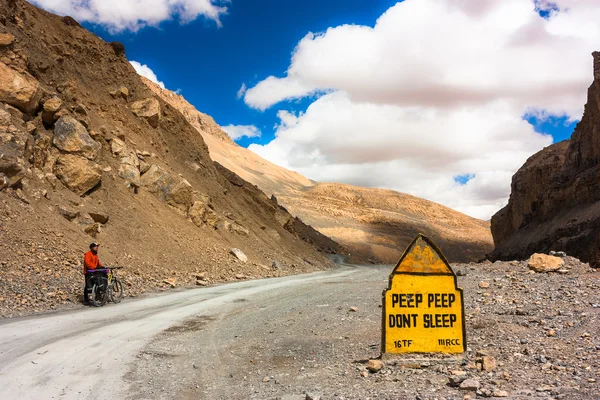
(542, 331)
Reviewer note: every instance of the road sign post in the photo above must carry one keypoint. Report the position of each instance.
(423, 309)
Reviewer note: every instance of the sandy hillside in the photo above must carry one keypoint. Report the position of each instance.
(89, 153)
(376, 224)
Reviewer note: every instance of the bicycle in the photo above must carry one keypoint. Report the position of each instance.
(105, 285)
(115, 287)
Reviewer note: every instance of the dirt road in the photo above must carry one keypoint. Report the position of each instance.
(86, 353)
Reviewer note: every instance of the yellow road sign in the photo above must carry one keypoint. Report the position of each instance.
(423, 309)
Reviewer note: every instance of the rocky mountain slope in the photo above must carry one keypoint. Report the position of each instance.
(554, 199)
(89, 153)
(373, 223)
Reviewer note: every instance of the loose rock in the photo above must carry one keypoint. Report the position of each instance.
(239, 255)
(149, 109)
(544, 263)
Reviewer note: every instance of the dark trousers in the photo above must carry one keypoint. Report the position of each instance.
(86, 288)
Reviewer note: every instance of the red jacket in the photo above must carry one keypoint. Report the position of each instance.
(91, 261)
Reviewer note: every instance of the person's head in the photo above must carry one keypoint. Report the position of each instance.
(94, 247)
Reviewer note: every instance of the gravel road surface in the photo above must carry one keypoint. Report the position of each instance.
(85, 354)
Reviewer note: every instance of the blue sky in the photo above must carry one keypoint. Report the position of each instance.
(442, 99)
(209, 64)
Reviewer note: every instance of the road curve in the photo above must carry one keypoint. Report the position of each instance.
(80, 354)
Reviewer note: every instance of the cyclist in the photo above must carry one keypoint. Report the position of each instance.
(90, 262)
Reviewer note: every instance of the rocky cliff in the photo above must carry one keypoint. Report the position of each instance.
(554, 198)
(89, 153)
(374, 224)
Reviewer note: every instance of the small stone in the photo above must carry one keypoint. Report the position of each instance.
(456, 380)
(239, 254)
(551, 333)
(312, 397)
(364, 374)
(171, 282)
(375, 365)
(500, 393)
(470, 384)
(488, 363)
(484, 285)
(354, 309)
(266, 379)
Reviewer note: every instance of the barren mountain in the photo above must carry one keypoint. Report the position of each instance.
(89, 153)
(554, 199)
(373, 223)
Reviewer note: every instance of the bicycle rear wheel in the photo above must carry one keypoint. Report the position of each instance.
(98, 295)
(116, 291)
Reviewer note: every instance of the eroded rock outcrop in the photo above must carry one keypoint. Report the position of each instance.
(554, 198)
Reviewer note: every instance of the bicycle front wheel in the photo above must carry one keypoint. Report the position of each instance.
(116, 292)
(99, 295)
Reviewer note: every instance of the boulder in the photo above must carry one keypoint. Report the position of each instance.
(282, 216)
(99, 217)
(121, 92)
(13, 143)
(72, 137)
(239, 255)
(131, 174)
(77, 173)
(149, 109)
(144, 167)
(544, 263)
(20, 90)
(50, 108)
(6, 39)
(181, 195)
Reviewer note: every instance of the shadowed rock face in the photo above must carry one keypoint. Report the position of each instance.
(554, 199)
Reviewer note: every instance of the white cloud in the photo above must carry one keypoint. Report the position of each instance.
(436, 89)
(120, 15)
(241, 91)
(238, 131)
(145, 71)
